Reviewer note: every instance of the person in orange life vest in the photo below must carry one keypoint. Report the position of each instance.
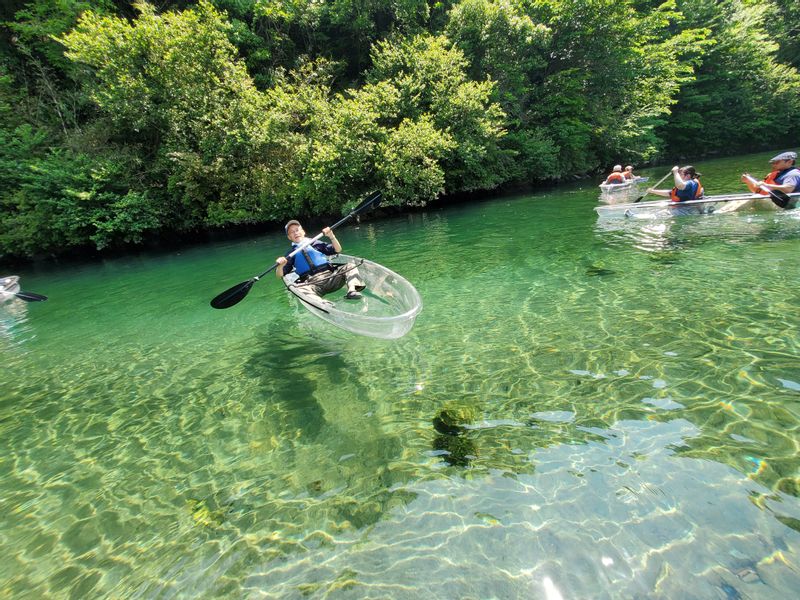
(628, 173)
(785, 176)
(616, 176)
(312, 266)
(687, 187)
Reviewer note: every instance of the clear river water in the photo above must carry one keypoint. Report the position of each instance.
(583, 409)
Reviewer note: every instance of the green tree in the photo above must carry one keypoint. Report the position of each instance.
(742, 97)
(171, 84)
(430, 76)
(784, 28)
(583, 82)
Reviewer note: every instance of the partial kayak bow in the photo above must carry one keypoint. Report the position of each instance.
(9, 288)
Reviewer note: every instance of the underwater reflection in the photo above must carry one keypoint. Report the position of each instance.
(13, 318)
(452, 443)
(677, 234)
(333, 463)
(649, 235)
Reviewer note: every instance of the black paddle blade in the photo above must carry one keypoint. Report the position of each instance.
(779, 198)
(30, 297)
(233, 295)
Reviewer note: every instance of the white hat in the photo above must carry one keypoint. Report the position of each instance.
(784, 156)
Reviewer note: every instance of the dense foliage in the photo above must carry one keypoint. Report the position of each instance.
(120, 121)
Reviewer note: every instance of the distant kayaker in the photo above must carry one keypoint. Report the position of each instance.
(628, 173)
(615, 176)
(312, 266)
(687, 185)
(784, 177)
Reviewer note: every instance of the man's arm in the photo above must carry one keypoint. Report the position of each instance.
(332, 237)
(285, 265)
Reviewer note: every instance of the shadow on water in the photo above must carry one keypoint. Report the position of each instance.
(283, 362)
(595, 270)
(456, 448)
(330, 450)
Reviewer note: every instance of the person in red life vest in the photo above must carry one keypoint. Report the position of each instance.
(628, 173)
(312, 266)
(687, 187)
(784, 177)
(616, 176)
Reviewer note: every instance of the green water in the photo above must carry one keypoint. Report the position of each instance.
(582, 410)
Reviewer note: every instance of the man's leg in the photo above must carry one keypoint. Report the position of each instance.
(354, 282)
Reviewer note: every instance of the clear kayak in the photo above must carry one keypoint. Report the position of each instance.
(387, 309)
(9, 287)
(666, 208)
(614, 193)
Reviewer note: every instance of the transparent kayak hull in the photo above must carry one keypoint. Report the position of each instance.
(710, 204)
(615, 193)
(387, 309)
(9, 286)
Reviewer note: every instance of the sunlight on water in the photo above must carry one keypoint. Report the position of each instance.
(582, 410)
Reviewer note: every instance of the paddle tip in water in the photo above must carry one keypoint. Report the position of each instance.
(30, 297)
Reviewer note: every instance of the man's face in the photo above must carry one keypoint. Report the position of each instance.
(295, 233)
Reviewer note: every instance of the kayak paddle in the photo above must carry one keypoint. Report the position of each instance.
(11, 282)
(30, 297)
(237, 293)
(639, 199)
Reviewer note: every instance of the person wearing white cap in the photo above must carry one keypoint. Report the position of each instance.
(616, 176)
(312, 266)
(784, 177)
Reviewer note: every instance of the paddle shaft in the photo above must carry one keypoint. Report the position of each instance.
(307, 243)
(235, 294)
(639, 199)
(22, 295)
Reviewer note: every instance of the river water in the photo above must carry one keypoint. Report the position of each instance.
(584, 409)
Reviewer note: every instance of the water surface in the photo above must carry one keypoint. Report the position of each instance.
(582, 410)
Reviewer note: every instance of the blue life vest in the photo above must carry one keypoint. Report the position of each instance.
(309, 260)
(687, 193)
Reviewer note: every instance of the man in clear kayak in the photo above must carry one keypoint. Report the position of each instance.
(313, 267)
(784, 177)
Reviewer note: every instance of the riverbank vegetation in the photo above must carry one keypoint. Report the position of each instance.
(121, 121)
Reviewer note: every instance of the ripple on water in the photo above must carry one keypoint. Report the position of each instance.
(579, 410)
